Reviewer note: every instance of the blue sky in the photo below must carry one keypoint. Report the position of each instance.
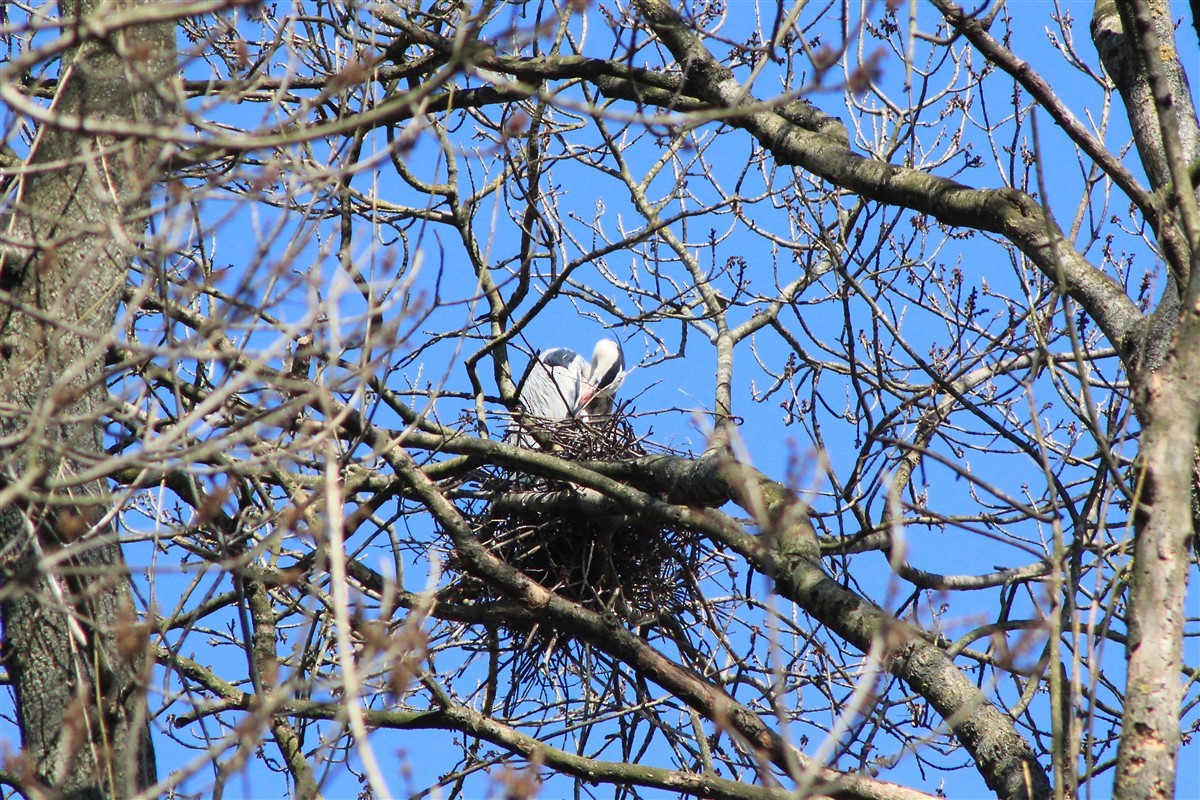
(288, 262)
(675, 375)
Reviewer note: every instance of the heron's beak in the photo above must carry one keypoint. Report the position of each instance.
(586, 397)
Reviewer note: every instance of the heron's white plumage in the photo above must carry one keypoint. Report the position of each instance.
(604, 377)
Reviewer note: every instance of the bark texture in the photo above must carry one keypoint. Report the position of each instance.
(1136, 42)
(71, 637)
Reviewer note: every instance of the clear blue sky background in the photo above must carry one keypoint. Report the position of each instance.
(664, 390)
(685, 382)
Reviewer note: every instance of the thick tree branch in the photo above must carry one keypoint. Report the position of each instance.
(1013, 214)
(788, 552)
(609, 635)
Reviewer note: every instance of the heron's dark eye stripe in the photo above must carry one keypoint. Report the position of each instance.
(609, 376)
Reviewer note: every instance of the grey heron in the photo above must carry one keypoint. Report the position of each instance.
(561, 384)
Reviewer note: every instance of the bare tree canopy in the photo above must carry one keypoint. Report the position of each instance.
(898, 498)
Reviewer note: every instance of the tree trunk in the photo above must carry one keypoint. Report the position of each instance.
(1137, 44)
(71, 639)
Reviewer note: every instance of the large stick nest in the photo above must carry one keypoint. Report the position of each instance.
(577, 543)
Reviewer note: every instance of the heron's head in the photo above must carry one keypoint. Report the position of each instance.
(605, 377)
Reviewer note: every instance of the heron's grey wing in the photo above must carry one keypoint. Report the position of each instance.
(552, 387)
(563, 357)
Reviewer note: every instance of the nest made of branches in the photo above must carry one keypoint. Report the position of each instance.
(580, 545)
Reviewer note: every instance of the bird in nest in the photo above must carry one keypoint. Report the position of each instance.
(560, 384)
